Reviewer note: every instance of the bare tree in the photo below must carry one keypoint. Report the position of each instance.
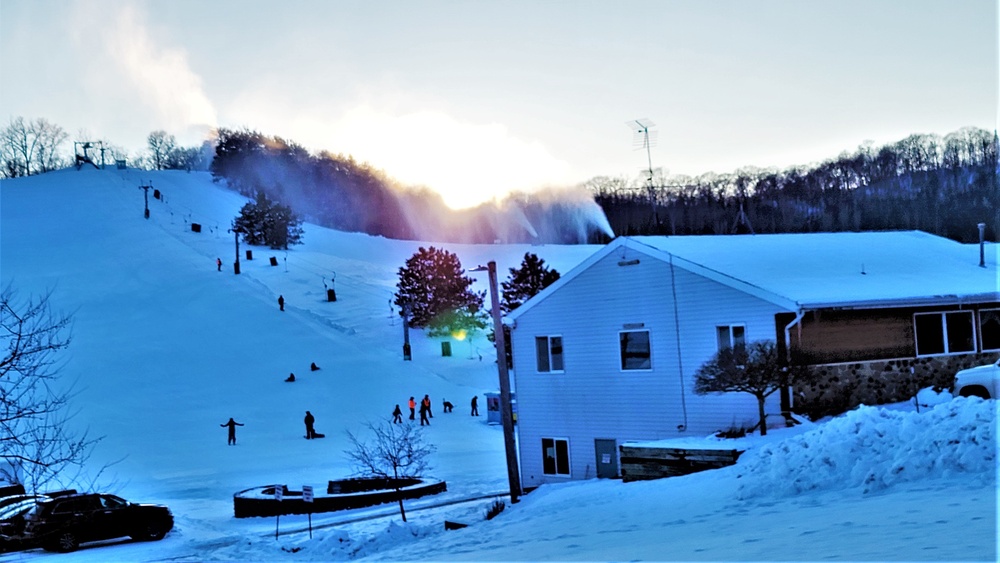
(37, 444)
(161, 145)
(18, 148)
(607, 185)
(754, 368)
(30, 147)
(49, 138)
(395, 451)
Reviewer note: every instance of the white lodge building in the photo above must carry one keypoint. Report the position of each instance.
(608, 353)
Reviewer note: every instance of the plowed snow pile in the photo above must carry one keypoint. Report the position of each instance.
(873, 449)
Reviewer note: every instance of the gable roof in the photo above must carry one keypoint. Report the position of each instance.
(822, 270)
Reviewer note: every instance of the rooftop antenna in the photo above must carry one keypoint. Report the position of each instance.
(643, 138)
(743, 220)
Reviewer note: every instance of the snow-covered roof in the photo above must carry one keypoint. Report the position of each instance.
(869, 269)
(820, 270)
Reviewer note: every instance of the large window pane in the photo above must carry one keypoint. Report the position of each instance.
(542, 352)
(722, 337)
(562, 457)
(555, 456)
(739, 338)
(731, 337)
(960, 332)
(556, 350)
(989, 321)
(548, 456)
(635, 352)
(929, 334)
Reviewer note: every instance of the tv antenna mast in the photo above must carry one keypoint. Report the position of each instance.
(643, 138)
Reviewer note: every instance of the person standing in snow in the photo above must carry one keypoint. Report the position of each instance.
(413, 408)
(281, 302)
(427, 401)
(218, 263)
(310, 420)
(232, 424)
(397, 415)
(475, 405)
(424, 409)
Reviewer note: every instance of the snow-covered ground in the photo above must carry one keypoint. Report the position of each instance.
(166, 348)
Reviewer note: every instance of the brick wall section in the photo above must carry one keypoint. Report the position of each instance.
(840, 387)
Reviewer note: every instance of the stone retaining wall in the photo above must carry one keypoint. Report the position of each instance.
(840, 387)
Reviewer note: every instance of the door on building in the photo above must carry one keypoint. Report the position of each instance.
(607, 458)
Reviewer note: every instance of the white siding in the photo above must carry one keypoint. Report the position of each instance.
(594, 398)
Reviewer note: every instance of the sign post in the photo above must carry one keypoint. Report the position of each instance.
(279, 491)
(307, 496)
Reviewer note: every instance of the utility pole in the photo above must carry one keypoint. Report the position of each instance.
(236, 265)
(407, 356)
(145, 190)
(506, 413)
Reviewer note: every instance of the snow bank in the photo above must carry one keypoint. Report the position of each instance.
(873, 448)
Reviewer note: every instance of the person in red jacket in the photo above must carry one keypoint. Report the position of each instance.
(413, 408)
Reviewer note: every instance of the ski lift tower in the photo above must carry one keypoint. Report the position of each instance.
(85, 158)
(643, 138)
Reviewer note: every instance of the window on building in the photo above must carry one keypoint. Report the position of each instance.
(549, 351)
(989, 324)
(733, 336)
(944, 333)
(555, 456)
(635, 352)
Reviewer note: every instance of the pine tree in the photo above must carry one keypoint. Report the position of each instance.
(525, 282)
(265, 222)
(431, 284)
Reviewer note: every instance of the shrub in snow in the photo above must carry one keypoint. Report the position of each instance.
(872, 448)
(494, 509)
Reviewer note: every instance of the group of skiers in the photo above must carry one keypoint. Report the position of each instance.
(397, 416)
(309, 420)
(425, 410)
(291, 376)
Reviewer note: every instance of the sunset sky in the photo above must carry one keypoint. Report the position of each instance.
(476, 98)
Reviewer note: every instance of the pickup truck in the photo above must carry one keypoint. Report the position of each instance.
(980, 381)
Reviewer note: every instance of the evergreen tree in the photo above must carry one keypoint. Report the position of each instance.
(265, 222)
(283, 227)
(431, 284)
(468, 321)
(525, 282)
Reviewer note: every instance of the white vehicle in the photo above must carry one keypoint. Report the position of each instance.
(980, 381)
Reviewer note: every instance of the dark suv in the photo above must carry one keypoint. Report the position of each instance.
(62, 523)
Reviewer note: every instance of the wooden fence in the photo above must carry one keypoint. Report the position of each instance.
(642, 462)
